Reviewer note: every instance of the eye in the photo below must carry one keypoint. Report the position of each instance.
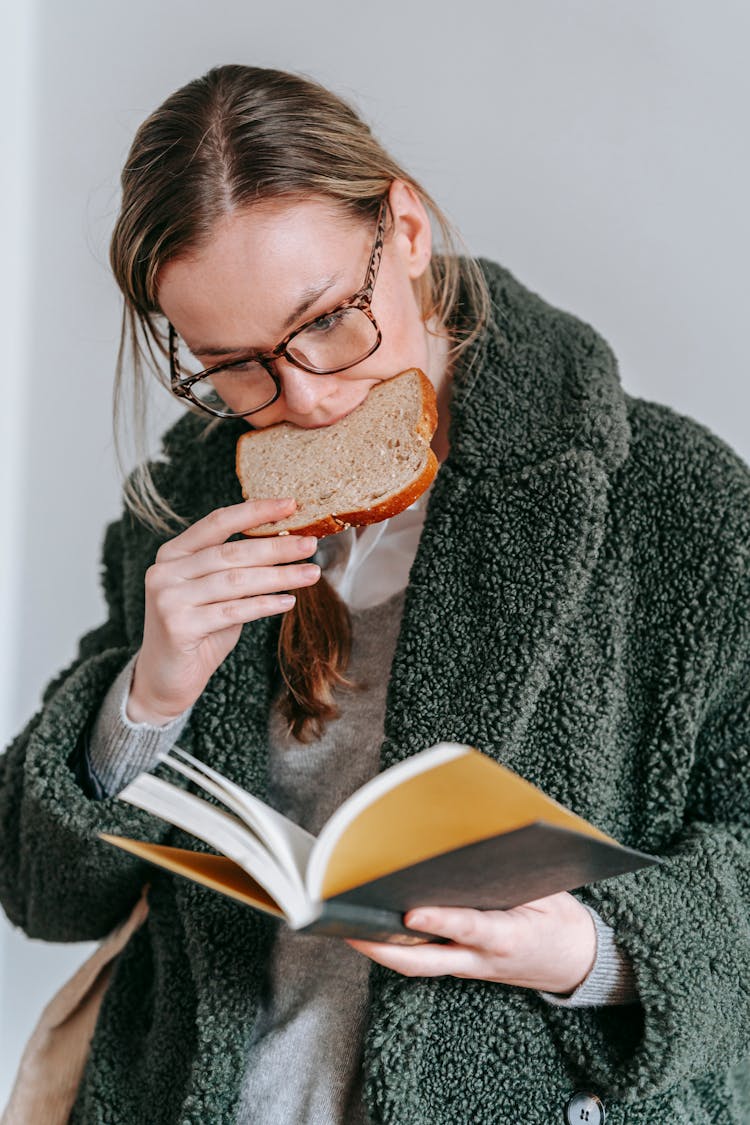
(238, 367)
(243, 365)
(326, 323)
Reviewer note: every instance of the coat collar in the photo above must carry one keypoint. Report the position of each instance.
(539, 383)
(513, 531)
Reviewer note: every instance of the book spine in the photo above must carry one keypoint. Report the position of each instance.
(366, 923)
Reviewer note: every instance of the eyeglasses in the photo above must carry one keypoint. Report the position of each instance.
(325, 345)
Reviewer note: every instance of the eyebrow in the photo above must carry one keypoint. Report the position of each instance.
(308, 297)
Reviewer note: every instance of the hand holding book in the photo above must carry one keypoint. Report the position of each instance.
(547, 945)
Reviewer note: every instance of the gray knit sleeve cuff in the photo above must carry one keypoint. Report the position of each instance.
(611, 979)
(120, 749)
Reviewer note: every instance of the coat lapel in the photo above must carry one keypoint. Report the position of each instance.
(513, 530)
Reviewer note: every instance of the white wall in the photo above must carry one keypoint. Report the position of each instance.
(597, 150)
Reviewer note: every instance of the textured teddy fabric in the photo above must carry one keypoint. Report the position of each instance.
(578, 608)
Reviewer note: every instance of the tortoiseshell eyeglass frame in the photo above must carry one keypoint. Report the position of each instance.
(361, 300)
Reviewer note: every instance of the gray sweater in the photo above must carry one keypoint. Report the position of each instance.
(304, 1058)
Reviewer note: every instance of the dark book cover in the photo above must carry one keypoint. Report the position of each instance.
(495, 874)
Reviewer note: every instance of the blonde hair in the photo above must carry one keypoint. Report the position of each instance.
(225, 141)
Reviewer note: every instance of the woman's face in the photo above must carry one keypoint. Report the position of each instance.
(237, 293)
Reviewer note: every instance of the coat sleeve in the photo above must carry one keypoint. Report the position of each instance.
(684, 924)
(58, 881)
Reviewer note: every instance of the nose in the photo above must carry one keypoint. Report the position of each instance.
(302, 390)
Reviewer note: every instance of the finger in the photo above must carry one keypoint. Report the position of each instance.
(212, 618)
(489, 930)
(248, 582)
(222, 615)
(266, 551)
(423, 960)
(218, 525)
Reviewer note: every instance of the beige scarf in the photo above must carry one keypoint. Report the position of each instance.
(55, 1056)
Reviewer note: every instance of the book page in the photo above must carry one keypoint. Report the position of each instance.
(286, 841)
(453, 796)
(221, 830)
(365, 796)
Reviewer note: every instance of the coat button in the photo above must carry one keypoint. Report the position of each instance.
(584, 1108)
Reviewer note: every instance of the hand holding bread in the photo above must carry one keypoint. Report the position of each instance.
(200, 591)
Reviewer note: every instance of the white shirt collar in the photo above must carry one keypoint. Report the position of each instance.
(366, 569)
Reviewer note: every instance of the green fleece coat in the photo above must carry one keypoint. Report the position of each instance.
(578, 608)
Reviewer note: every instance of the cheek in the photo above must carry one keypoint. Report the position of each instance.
(268, 417)
(407, 347)
(402, 328)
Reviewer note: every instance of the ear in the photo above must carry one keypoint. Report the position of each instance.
(412, 234)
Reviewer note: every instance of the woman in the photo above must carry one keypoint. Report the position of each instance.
(570, 596)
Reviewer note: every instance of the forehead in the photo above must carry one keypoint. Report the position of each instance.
(264, 257)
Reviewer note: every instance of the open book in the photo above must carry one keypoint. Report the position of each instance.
(446, 827)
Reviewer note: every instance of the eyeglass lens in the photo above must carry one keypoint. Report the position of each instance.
(338, 340)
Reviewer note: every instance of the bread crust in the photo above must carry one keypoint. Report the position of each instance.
(334, 523)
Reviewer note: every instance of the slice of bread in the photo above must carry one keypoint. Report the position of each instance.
(367, 467)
